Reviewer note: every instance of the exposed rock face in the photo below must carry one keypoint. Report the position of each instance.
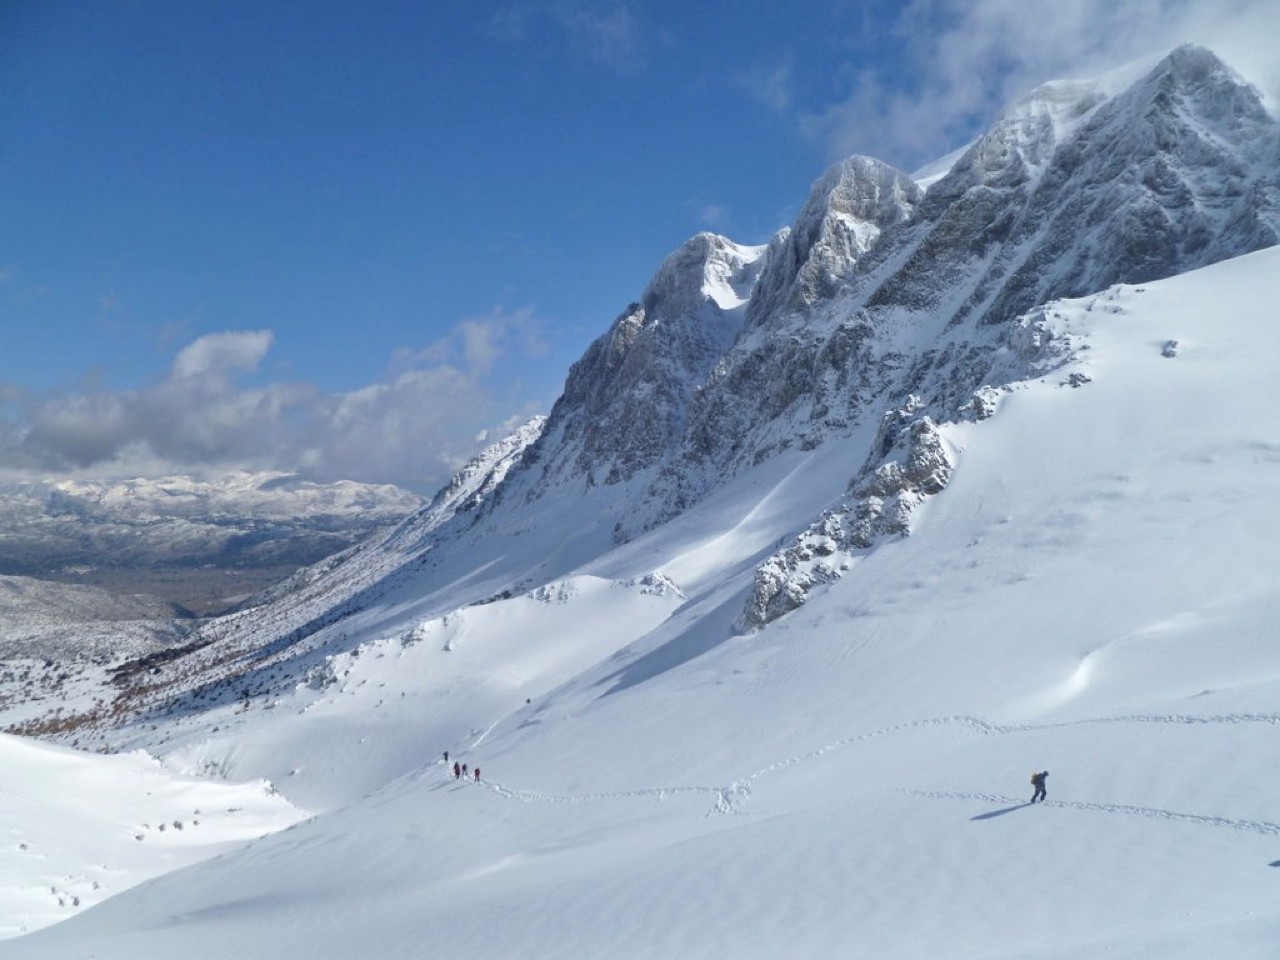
(886, 305)
(624, 403)
(848, 208)
(879, 291)
(1071, 192)
(909, 461)
(483, 474)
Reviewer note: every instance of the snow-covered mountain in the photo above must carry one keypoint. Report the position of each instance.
(881, 314)
(758, 634)
(190, 541)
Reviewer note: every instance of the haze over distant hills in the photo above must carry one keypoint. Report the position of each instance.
(201, 545)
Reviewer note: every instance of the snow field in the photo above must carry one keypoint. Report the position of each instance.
(79, 828)
(823, 857)
(394, 704)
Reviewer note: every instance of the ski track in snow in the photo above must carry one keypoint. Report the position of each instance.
(1154, 813)
(729, 798)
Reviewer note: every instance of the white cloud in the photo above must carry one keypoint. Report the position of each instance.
(481, 345)
(476, 343)
(413, 429)
(219, 354)
(966, 59)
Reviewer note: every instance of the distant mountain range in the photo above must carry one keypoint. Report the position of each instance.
(198, 545)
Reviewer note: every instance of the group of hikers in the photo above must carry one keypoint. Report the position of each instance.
(460, 770)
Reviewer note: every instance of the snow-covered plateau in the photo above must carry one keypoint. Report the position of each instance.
(752, 644)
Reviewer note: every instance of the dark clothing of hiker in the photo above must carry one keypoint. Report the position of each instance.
(446, 757)
(457, 770)
(1037, 781)
(477, 774)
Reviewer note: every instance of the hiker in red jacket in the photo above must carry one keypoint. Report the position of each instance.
(457, 770)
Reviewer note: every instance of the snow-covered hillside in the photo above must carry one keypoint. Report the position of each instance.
(769, 678)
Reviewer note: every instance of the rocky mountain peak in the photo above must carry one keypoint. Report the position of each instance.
(1198, 72)
(1068, 194)
(1197, 113)
(624, 402)
(1023, 138)
(848, 207)
(706, 270)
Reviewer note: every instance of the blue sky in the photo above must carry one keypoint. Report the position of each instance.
(351, 240)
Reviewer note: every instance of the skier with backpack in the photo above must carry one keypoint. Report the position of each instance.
(1037, 781)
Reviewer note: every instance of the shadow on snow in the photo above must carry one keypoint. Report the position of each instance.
(713, 630)
(1001, 813)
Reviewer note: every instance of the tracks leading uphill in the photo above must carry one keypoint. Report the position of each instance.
(732, 797)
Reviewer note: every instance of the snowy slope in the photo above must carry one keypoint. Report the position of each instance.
(767, 676)
(80, 828)
(1092, 594)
